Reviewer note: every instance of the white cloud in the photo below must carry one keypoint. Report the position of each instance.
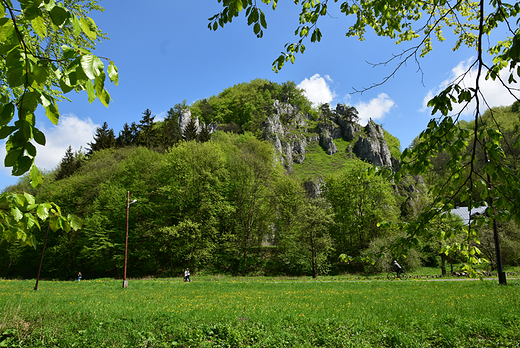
(160, 116)
(70, 131)
(494, 92)
(317, 89)
(375, 109)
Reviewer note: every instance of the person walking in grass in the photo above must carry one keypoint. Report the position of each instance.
(397, 268)
(187, 275)
(79, 276)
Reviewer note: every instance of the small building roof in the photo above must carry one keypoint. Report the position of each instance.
(464, 213)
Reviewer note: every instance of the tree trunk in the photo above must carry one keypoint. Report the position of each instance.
(443, 264)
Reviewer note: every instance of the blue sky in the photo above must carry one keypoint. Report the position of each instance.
(166, 54)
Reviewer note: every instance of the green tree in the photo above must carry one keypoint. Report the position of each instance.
(147, 131)
(361, 200)
(69, 164)
(251, 173)
(191, 131)
(170, 130)
(315, 242)
(288, 200)
(104, 138)
(128, 135)
(192, 187)
(204, 134)
(45, 49)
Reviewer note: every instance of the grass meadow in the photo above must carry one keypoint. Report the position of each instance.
(260, 313)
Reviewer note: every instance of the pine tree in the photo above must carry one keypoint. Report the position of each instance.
(127, 136)
(171, 132)
(190, 132)
(69, 164)
(204, 134)
(103, 139)
(147, 133)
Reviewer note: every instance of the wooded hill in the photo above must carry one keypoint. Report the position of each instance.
(250, 184)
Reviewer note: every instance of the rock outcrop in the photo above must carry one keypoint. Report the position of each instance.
(284, 129)
(185, 118)
(288, 131)
(372, 146)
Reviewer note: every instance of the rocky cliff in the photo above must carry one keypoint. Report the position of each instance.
(291, 132)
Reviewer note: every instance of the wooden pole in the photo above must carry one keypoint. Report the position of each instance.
(125, 282)
(41, 260)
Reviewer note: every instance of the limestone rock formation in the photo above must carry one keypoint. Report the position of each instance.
(287, 129)
(372, 146)
(284, 129)
(185, 118)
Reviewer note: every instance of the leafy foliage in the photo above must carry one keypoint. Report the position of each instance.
(45, 54)
(248, 104)
(360, 200)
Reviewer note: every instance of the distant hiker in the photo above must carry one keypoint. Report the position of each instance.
(187, 275)
(79, 276)
(397, 268)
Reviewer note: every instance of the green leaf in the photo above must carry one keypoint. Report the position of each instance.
(89, 27)
(262, 20)
(42, 212)
(104, 97)
(40, 73)
(8, 36)
(59, 15)
(39, 27)
(52, 113)
(90, 91)
(29, 198)
(6, 114)
(76, 25)
(36, 177)
(99, 83)
(31, 9)
(54, 224)
(68, 52)
(5, 131)
(23, 165)
(28, 103)
(31, 150)
(65, 82)
(74, 222)
(112, 73)
(15, 76)
(39, 137)
(16, 213)
(12, 157)
(92, 66)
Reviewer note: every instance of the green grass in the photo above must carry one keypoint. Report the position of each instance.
(260, 313)
(318, 163)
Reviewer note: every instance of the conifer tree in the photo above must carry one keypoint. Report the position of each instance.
(190, 132)
(69, 164)
(127, 136)
(171, 132)
(147, 133)
(204, 134)
(103, 139)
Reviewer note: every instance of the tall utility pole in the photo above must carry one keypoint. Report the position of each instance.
(125, 282)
